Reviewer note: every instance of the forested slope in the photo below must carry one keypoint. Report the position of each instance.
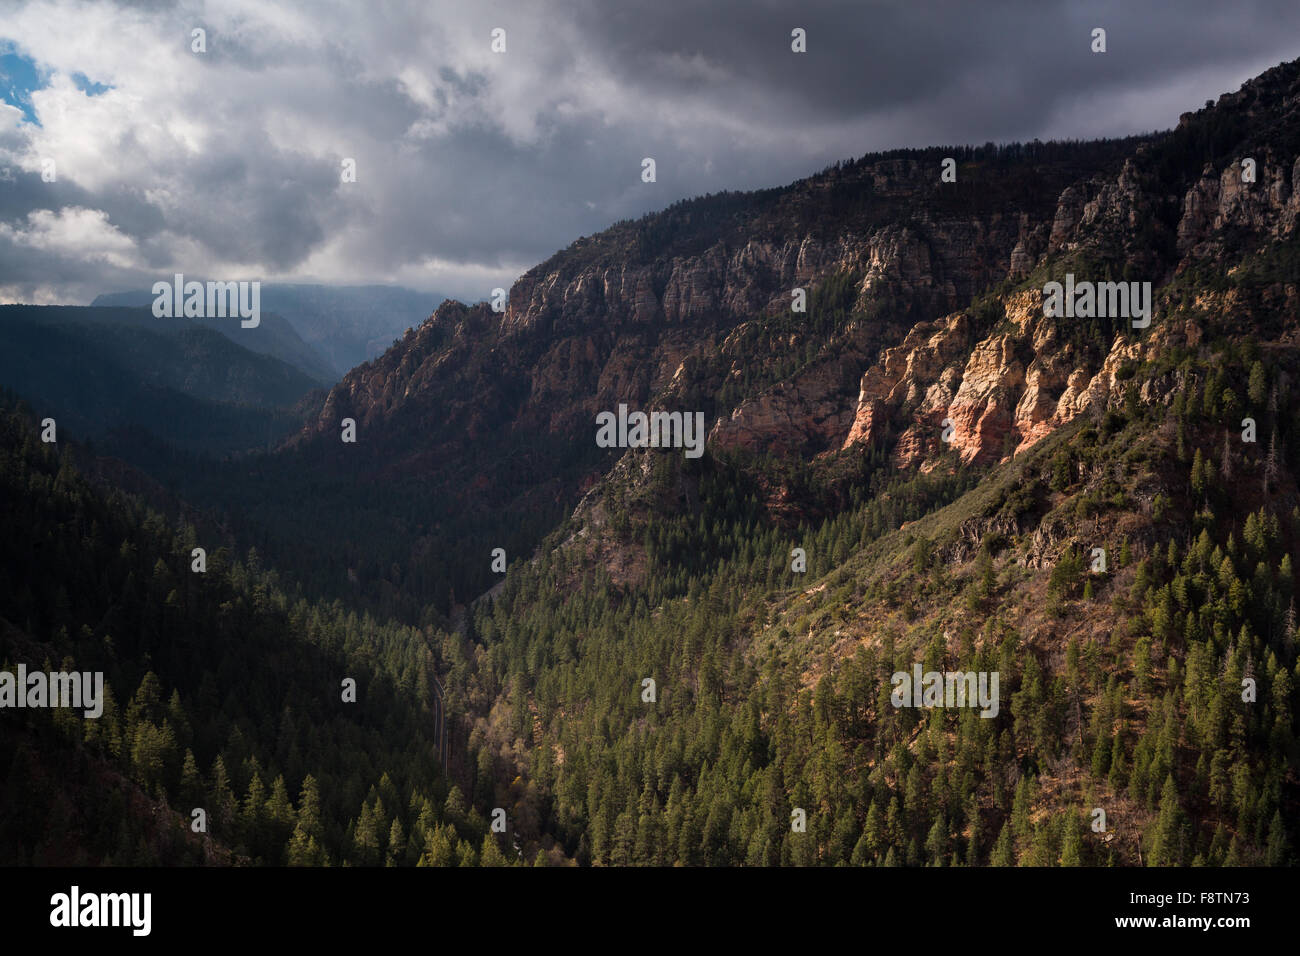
(222, 693)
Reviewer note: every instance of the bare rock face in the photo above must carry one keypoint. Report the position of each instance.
(942, 372)
(983, 411)
(1262, 206)
(1031, 243)
(1288, 200)
(1008, 387)
(905, 374)
(1199, 208)
(1118, 206)
(806, 413)
(1221, 199)
(1046, 542)
(1000, 393)
(1045, 380)
(1069, 210)
(696, 286)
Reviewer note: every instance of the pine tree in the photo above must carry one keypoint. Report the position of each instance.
(873, 831)
(396, 844)
(1118, 777)
(1040, 850)
(1256, 389)
(974, 843)
(1235, 855)
(366, 837)
(279, 811)
(252, 814)
(223, 798)
(1101, 756)
(191, 792)
(303, 850)
(1198, 474)
(309, 806)
(491, 854)
(1072, 840)
(861, 854)
(454, 807)
(1004, 851)
(936, 841)
(1020, 825)
(1275, 851)
(1167, 846)
(440, 849)
(1142, 661)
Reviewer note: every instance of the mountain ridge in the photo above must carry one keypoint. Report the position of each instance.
(590, 328)
(328, 327)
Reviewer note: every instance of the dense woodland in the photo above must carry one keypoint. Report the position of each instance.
(1147, 720)
(221, 692)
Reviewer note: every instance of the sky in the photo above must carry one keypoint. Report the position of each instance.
(473, 165)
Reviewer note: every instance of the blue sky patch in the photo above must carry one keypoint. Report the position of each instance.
(89, 86)
(19, 76)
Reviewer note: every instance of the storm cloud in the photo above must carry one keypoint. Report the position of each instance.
(473, 165)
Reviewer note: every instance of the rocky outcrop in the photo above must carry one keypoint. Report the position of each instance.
(983, 410)
(1221, 198)
(806, 414)
(1069, 209)
(930, 267)
(1007, 387)
(918, 375)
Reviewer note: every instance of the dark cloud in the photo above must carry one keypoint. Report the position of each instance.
(472, 167)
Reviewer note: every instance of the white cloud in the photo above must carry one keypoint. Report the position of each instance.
(73, 232)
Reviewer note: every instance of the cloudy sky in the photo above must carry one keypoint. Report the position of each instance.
(473, 165)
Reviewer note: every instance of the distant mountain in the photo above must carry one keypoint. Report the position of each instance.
(274, 335)
(100, 370)
(347, 325)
